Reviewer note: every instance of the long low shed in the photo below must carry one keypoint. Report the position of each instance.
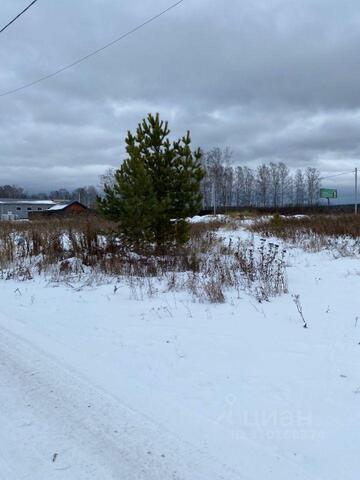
(20, 209)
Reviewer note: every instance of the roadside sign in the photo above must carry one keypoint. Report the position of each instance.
(328, 193)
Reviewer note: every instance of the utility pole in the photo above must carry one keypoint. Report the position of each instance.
(356, 191)
(214, 196)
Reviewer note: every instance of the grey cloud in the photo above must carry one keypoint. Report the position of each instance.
(273, 80)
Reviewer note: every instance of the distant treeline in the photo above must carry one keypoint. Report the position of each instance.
(227, 184)
(268, 185)
(86, 195)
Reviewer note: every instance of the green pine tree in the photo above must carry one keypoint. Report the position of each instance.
(156, 187)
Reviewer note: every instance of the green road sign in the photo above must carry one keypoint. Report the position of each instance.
(328, 193)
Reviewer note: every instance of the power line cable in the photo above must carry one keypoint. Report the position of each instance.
(91, 54)
(18, 16)
(337, 175)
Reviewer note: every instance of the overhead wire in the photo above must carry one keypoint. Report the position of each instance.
(18, 16)
(338, 174)
(91, 54)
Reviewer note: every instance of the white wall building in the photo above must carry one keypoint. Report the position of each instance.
(20, 209)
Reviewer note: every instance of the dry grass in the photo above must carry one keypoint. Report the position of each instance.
(338, 233)
(55, 240)
(87, 250)
(326, 225)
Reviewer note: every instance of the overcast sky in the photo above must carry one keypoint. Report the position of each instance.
(272, 79)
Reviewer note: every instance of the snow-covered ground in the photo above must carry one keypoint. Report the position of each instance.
(95, 384)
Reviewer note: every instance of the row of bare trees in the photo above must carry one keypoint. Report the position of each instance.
(267, 185)
(86, 195)
(12, 191)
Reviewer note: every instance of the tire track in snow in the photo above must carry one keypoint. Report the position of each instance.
(47, 409)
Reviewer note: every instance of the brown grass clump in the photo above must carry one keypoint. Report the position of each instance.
(87, 249)
(325, 225)
(50, 241)
(337, 233)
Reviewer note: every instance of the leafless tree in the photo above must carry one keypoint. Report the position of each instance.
(249, 182)
(285, 184)
(299, 188)
(274, 183)
(239, 186)
(312, 185)
(108, 178)
(221, 175)
(262, 184)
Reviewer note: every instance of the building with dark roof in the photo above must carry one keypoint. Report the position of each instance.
(61, 209)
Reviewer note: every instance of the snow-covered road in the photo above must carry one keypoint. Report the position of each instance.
(55, 424)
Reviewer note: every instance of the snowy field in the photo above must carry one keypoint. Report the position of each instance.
(96, 384)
